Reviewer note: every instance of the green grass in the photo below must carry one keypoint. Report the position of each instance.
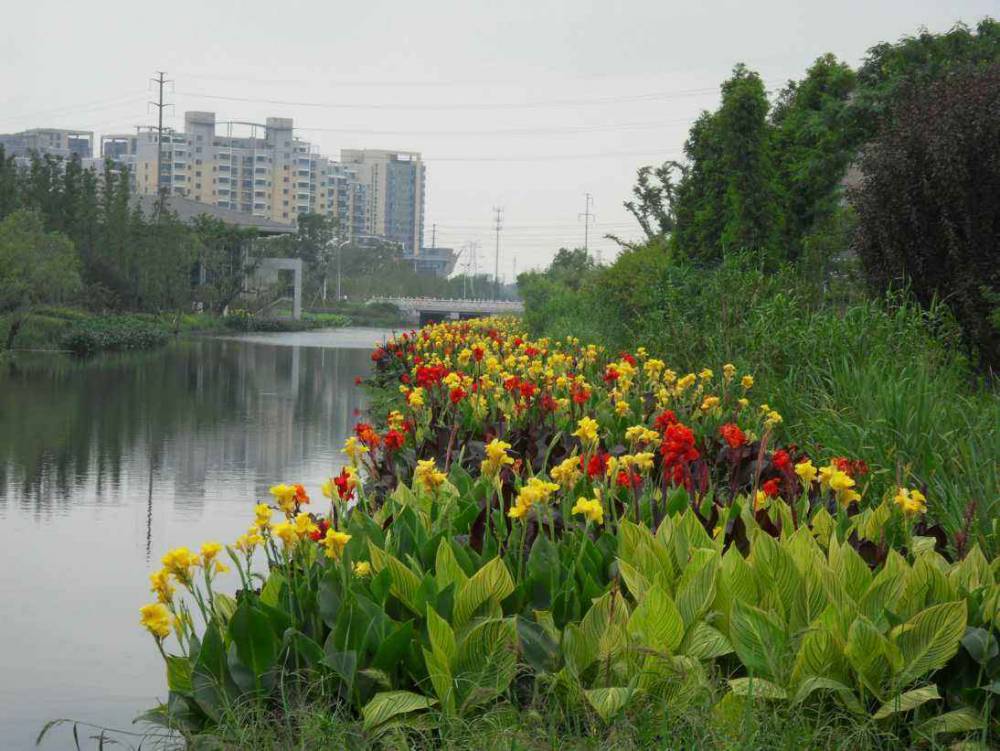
(303, 722)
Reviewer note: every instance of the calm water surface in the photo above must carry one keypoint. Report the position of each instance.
(105, 465)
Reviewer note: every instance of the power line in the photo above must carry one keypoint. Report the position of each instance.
(650, 97)
(504, 131)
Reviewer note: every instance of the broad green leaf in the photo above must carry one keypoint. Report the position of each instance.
(389, 704)
(439, 672)
(906, 701)
(486, 663)
(608, 702)
(867, 652)
(492, 581)
(179, 674)
(605, 625)
(696, 588)
(656, 623)
(844, 693)
(405, 583)
(270, 593)
(757, 687)
(442, 637)
(704, 642)
(225, 606)
(851, 569)
(637, 583)
(980, 644)
(578, 651)
(760, 641)
(930, 639)
(392, 649)
(962, 720)
(817, 656)
(256, 643)
(446, 568)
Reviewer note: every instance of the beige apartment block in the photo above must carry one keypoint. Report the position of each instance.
(396, 182)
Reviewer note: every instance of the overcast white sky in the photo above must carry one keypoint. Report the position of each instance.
(525, 105)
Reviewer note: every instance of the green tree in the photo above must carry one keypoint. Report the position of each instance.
(728, 199)
(225, 256)
(10, 193)
(652, 202)
(816, 134)
(36, 268)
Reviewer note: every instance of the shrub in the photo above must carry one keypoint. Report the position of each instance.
(118, 334)
(929, 218)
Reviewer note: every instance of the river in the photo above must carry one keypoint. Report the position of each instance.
(106, 464)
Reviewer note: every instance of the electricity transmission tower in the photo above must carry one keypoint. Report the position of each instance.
(586, 215)
(160, 80)
(498, 219)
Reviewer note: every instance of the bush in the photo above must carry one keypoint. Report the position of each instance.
(118, 334)
(928, 209)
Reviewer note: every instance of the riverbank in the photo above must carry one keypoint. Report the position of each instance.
(83, 333)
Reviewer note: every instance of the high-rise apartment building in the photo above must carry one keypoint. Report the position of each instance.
(258, 169)
(396, 182)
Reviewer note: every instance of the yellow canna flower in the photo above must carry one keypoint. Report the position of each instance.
(728, 371)
(590, 508)
(262, 516)
(747, 382)
(567, 472)
(285, 531)
(353, 449)
(181, 562)
(247, 542)
(806, 472)
(156, 618)
(304, 525)
(496, 457)
(622, 408)
(362, 569)
(335, 542)
(706, 375)
(161, 586)
(911, 502)
(428, 475)
(209, 550)
(710, 402)
(285, 496)
(586, 431)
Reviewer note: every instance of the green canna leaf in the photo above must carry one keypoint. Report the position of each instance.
(387, 705)
(760, 641)
(906, 701)
(929, 639)
(656, 623)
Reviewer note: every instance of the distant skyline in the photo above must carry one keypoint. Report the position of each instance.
(523, 105)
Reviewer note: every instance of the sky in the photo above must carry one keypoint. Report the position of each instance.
(528, 106)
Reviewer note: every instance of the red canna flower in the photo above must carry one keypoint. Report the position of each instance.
(732, 435)
(628, 479)
(772, 487)
(477, 354)
(548, 403)
(457, 394)
(597, 466)
(580, 394)
(678, 450)
(301, 496)
(394, 440)
(345, 484)
(781, 460)
(611, 374)
(320, 532)
(664, 420)
(357, 380)
(367, 435)
(528, 389)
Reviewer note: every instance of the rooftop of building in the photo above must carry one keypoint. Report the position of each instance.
(188, 210)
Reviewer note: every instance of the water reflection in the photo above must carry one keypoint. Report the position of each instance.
(105, 464)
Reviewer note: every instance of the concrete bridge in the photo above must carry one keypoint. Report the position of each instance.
(428, 309)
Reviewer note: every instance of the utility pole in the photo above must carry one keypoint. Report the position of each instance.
(498, 219)
(434, 234)
(159, 80)
(587, 216)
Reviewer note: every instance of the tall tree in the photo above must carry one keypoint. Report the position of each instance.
(816, 134)
(928, 211)
(36, 267)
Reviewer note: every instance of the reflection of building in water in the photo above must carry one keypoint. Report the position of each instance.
(216, 420)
